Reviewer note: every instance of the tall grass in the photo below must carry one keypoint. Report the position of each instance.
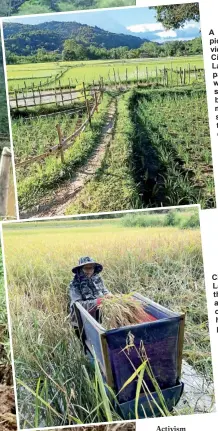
(55, 382)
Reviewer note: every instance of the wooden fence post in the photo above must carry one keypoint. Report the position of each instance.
(16, 99)
(115, 77)
(88, 112)
(101, 90)
(167, 78)
(84, 90)
(55, 93)
(96, 101)
(60, 142)
(4, 180)
(147, 74)
(126, 77)
(180, 71)
(34, 100)
(137, 74)
(60, 89)
(24, 99)
(102, 86)
(189, 73)
(164, 75)
(40, 97)
(177, 77)
(156, 76)
(184, 76)
(71, 98)
(196, 76)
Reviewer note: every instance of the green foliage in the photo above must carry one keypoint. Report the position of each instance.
(175, 16)
(172, 218)
(190, 223)
(46, 42)
(27, 7)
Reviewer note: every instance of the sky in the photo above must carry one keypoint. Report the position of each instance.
(137, 21)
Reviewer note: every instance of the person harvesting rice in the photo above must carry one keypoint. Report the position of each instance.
(87, 287)
(89, 290)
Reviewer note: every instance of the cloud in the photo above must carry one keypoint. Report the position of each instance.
(141, 28)
(188, 25)
(166, 33)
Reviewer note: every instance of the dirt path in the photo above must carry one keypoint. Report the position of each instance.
(59, 199)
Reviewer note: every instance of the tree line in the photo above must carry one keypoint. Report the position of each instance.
(74, 51)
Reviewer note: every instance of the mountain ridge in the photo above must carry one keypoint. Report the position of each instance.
(25, 39)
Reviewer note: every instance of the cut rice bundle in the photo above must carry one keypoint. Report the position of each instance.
(122, 310)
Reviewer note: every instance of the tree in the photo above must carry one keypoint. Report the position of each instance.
(73, 51)
(175, 16)
(4, 7)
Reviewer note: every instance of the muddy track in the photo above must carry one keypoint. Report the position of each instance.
(58, 200)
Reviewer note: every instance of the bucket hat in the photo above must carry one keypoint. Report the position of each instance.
(86, 261)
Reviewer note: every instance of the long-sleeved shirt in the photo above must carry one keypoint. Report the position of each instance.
(86, 291)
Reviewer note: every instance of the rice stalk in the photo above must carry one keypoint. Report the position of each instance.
(122, 310)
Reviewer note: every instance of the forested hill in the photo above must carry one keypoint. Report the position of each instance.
(27, 39)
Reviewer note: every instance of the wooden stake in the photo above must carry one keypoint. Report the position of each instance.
(102, 86)
(34, 100)
(4, 180)
(115, 77)
(71, 98)
(180, 71)
(56, 100)
(84, 90)
(96, 101)
(16, 99)
(24, 99)
(40, 97)
(147, 74)
(196, 76)
(167, 78)
(60, 142)
(88, 112)
(60, 89)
